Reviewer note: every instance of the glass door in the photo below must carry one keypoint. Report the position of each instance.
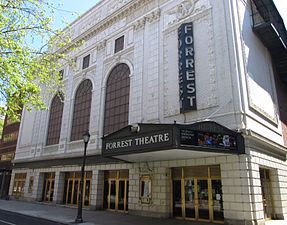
(122, 195)
(69, 192)
(76, 187)
(217, 200)
(116, 191)
(87, 192)
(266, 193)
(72, 188)
(112, 194)
(49, 181)
(49, 190)
(203, 199)
(189, 191)
(198, 197)
(177, 200)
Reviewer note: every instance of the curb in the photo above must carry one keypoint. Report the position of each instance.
(38, 217)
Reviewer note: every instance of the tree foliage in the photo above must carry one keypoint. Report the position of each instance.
(1, 126)
(27, 65)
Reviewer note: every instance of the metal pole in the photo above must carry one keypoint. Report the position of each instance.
(79, 218)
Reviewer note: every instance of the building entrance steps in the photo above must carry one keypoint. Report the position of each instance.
(67, 215)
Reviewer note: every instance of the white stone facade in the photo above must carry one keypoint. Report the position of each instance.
(235, 87)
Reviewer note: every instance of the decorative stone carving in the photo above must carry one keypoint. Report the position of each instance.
(184, 9)
(117, 59)
(116, 5)
(139, 24)
(107, 20)
(193, 9)
(101, 45)
(92, 21)
(153, 16)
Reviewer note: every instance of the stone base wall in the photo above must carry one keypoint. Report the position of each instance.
(243, 222)
(240, 177)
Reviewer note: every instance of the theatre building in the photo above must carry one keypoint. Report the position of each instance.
(185, 101)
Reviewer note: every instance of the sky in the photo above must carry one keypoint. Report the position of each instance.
(71, 9)
(282, 8)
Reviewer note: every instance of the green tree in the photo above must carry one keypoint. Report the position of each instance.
(1, 126)
(26, 65)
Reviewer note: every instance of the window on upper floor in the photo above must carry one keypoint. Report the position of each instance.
(119, 44)
(10, 137)
(86, 61)
(55, 120)
(7, 157)
(117, 99)
(82, 110)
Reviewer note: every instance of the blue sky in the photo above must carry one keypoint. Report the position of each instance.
(69, 10)
(81, 6)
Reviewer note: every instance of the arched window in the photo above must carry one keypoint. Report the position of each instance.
(117, 99)
(55, 120)
(82, 110)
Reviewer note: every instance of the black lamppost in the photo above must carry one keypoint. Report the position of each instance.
(86, 138)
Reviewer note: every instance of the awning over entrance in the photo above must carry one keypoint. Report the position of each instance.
(150, 142)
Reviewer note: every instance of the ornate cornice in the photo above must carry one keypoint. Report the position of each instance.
(102, 25)
(151, 17)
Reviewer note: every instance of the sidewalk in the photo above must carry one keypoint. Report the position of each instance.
(67, 215)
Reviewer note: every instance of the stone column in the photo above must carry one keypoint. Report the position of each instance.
(59, 187)
(12, 183)
(97, 189)
(278, 184)
(242, 198)
(38, 185)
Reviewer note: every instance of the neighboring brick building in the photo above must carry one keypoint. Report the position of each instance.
(8, 145)
(185, 101)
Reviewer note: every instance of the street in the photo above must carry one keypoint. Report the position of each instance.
(11, 218)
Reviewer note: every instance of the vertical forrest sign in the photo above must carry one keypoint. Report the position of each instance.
(187, 88)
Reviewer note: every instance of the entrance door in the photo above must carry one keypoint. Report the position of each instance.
(189, 192)
(72, 188)
(116, 190)
(49, 182)
(217, 200)
(72, 191)
(177, 199)
(203, 199)
(122, 195)
(112, 194)
(197, 195)
(266, 193)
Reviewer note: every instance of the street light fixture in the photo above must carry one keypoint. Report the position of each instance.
(86, 138)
